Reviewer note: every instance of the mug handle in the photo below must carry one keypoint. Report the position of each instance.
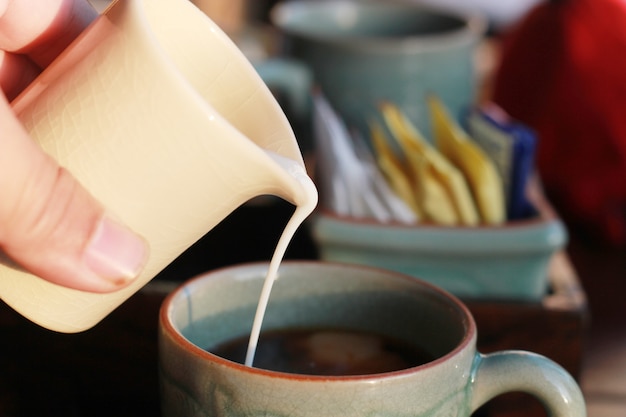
(293, 79)
(512, 370)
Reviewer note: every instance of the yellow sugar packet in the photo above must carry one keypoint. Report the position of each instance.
(433, 197)
(478, 169)
(433, 171)
(392, 168)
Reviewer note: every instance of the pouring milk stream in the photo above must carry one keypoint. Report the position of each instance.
(161, 117)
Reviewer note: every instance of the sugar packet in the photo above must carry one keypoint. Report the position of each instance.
(511, 145)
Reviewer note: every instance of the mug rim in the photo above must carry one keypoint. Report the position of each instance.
(468, 340)
(473, 26)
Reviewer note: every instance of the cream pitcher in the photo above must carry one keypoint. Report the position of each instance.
(160, 116)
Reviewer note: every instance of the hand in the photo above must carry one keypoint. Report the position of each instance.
(49, 224)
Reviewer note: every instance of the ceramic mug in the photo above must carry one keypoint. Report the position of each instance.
(219, 306)
(163, 119)
(362, 52)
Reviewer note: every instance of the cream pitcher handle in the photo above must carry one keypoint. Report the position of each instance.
(508, 371)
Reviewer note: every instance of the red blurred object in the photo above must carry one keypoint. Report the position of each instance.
(563, 72)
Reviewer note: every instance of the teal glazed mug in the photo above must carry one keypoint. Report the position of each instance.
(219, 306)
(362, 52)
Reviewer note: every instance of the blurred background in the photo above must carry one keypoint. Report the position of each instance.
(555, 67)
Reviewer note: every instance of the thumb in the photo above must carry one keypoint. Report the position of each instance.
(51, 226)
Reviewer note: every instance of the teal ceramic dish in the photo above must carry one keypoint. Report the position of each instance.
(509, 262)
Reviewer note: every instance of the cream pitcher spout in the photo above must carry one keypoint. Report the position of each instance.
(234, 90)
(161, 117)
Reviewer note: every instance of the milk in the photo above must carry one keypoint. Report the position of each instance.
(305, 204)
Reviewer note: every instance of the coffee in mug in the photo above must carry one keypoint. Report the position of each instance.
(326, 351)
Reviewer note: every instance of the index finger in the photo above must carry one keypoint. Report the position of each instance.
(38, 30)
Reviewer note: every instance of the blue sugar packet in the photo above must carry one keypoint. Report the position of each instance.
(511, 145)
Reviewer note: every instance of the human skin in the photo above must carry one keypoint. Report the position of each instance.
(49, 224)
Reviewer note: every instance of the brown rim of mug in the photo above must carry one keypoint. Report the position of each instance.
(168, 327)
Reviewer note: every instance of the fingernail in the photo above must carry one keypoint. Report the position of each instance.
(115, 253)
